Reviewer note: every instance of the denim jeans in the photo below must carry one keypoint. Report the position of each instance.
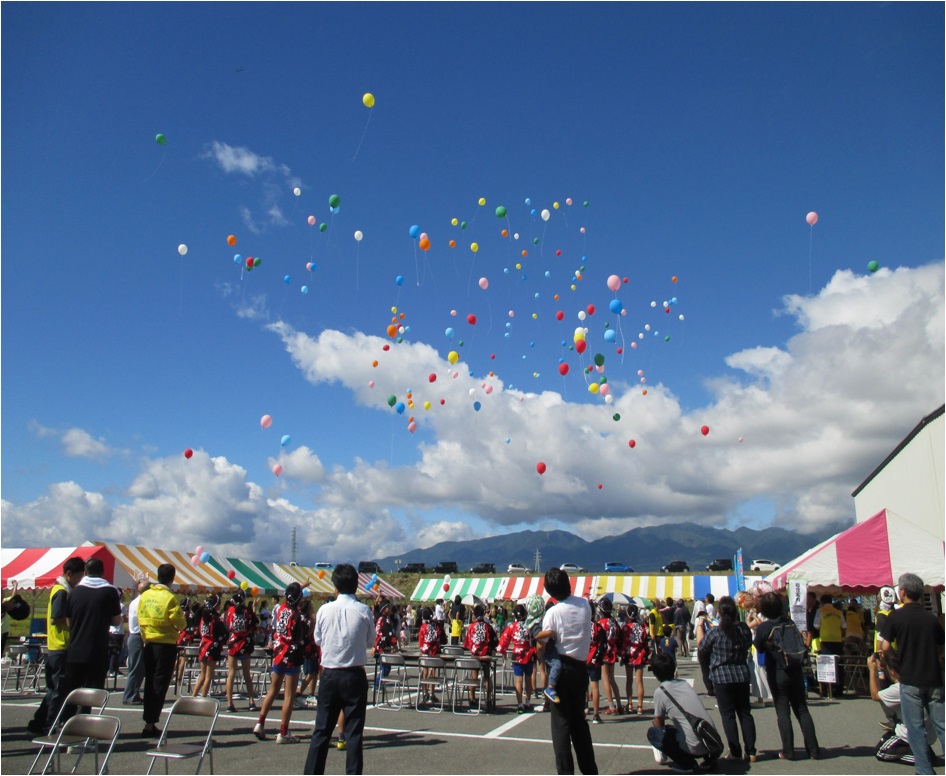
(135, 668)
(913, 702)
(664, 739)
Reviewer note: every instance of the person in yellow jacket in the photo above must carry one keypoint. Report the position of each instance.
(161, 619)
(831, 625)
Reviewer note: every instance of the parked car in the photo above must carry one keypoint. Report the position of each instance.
(517, 568)
(573, 568)
(483, 568)
(720, 564)
(675, 566)
(413, 568)
(445, 567)
(369, 567)
(610, 568)
(765, 565)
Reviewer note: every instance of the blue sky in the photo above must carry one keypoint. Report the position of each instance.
(699, 136)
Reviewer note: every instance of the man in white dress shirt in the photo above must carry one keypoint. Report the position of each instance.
(344, 629)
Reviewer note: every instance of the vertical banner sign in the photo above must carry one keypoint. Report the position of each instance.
(740, 572)
(797, 597)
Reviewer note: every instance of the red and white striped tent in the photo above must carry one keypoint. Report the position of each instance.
(517, 588)
(39, 567)
(867, 556)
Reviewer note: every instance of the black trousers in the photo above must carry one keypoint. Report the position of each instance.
(56, 689)
(733, 700)
(340, 689)
(704, 659)
(159, 660)
(790, 697)
(569, 725)
(85, 675)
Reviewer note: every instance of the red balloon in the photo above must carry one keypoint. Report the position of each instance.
(540, 467)
(704, 430)
(471, 319)
(446, 588)
(231, 574)
(563, 369)
(432, 377)
(188, 453)
(591, 309)
(560, 315)
(632, 443)
(580, 346)
(600, 486)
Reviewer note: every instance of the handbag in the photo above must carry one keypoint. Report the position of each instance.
(705, 731)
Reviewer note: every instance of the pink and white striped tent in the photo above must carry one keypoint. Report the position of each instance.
(39, 567)
(867, 556)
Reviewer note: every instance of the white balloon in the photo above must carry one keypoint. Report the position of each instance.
(182, 249)
(358, 235)
(581, 315)
(297, 191)
(546, 215)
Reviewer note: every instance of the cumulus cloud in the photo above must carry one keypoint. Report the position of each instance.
(276, 181)
(76, 442)
(795, 426)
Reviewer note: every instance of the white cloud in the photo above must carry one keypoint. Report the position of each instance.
(815, 415)
(76, 442)
(241, 160)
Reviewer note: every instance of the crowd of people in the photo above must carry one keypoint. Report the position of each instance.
(561, 651)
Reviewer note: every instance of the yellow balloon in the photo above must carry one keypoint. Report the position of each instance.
(426, 405)
(518, 266)
(474, 247)
(579, 336)
(482, 201)
(393, 310)
(453, 357)
(454, 222)
(368, 100)
(573, 286)
(593, 388)
(244, 585)
(535, 316)
(555, 205)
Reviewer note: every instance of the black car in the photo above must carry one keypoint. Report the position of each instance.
(720, 564)
(445, 567)
(369, 567)
(483, 568)
(674, 566)
(413, 568)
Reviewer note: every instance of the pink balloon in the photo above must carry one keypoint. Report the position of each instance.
(812, 218)
(371, 383)
(412, 426)
(195, 560)
(484, 283)
(277, 469)
(614, 282)
(266, 421)
(311, 220)
(199, 550)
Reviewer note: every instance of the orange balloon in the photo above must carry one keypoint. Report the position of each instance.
(231, 240)
(321, 573)
(525, 253)
(374, 363)
(392, 331)
(453, 243)
(673, 279)
(424, 243)
(505, 233)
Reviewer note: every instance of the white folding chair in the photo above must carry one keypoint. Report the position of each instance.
(85, 729)
(395, 678)
(81, 697)
(469, 674)
(187, 707)
(436, 679)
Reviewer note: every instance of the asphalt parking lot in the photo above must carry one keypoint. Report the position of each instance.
(502, 742)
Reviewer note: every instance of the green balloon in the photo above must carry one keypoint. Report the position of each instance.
(334, 200)
(463, 224)
(602, 380)
(500, 212)
(392, 400)
(667, 339)
(160, 139)
(599, 359)
(257, 262)
(616, 416)
(323, 226)
(535, 240)
(585, 203)
(873, 266)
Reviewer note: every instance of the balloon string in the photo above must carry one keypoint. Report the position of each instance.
(181, 302)
(363, 135)
(810, 234)
(160, 162)
(357, 260)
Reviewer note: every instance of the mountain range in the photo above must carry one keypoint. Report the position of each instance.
(644, 549)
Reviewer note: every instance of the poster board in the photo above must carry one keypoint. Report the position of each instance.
(797, 598)
(827, 669)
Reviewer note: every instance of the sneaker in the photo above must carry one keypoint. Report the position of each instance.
(310, 702)
(341, 745)
(520, 709)
(551, 694)
(528, 707)
(660, 757)
(37, 728)
(258, 732)
(596, 719)
(231, 708)
(289, 738)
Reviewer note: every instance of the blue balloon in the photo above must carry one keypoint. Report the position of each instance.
(616, 306)
(285, 440)
(414, 231)
(399, 407)
(528, 201)
(305, 592)
(399, 280)
(238, 259)
(610, 335)
(304, 289)
(204, 557)
(287, 279)
(333, 211)
(449, 332)
(477, 405)
(533, 212)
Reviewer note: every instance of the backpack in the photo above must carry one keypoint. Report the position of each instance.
(704, 729)
(785, 640)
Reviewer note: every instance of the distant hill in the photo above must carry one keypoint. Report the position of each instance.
(645, 549)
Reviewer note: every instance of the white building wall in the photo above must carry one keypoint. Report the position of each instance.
(912, 484)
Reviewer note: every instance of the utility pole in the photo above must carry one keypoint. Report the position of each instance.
(538, 561)
(292, 547)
